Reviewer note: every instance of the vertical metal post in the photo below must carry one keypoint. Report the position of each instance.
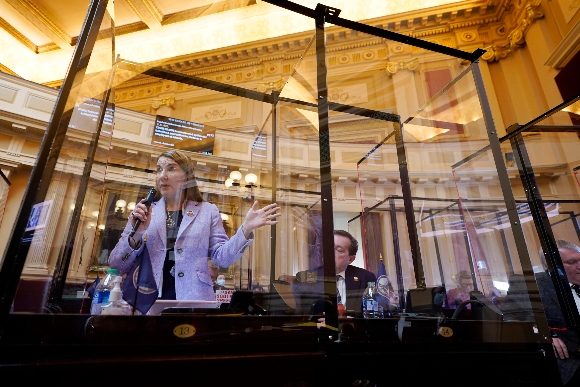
(325, 172)
(408, 203)
(467, 245)
(509, 199)
(273, 238)
(505, 245)
(41, 174)
(546, 236)
(437, 251)
(397, 252)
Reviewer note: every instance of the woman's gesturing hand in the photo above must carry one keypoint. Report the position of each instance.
(266, 216)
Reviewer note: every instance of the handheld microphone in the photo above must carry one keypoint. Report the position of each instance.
(148, 200)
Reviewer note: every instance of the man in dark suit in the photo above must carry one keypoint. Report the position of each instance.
(564, 341)
(352, 281)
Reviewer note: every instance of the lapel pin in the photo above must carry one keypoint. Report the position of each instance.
(356, 278)
(189, 213)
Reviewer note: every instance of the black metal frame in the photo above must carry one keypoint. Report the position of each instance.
(323, 14)
(539, 215)
(372, 349)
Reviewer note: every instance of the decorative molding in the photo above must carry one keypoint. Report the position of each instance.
(18, 36)
(153, 9)
(217, 112)
(147, 12)
(216, 7)
(411, 65)
(41, 21)
(156, 103)
(517, 37)
(567, 48)
(8, 71)
(264, 87)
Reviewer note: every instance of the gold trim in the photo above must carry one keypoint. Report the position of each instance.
(217, 7)
(17, 35)
(411, 65)
(149, 7)
(517, 37)
(8, 71)
(156, 103)
(44, 20)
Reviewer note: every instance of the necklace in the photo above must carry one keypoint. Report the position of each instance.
(169, 221)
(172, 218)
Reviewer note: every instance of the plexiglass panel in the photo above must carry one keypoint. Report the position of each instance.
(62, 220)
(543, 155)
(401, 151)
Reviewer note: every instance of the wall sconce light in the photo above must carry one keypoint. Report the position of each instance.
(234, 181)
(236, 176)
(121, 206)
(251, 179)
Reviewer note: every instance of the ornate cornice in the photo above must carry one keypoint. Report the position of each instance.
(517, 37)
(466, 25)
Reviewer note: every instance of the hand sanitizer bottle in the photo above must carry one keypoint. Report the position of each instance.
(115, 304)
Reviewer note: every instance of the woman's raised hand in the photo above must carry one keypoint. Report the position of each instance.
(265, 216)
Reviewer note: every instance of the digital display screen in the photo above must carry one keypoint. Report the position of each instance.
(86, 113)
(185, 135)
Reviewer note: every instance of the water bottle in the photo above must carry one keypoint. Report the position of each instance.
(370, 306)
(102, 291)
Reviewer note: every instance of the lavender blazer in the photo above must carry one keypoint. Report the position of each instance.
(201, 236)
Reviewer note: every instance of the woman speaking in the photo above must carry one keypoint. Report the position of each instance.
(181, 231)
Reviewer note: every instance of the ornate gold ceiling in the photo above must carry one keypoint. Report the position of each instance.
(37, 36)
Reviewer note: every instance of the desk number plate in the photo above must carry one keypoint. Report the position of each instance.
(184, 331)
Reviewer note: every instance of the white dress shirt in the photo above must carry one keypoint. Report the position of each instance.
(341, 286)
